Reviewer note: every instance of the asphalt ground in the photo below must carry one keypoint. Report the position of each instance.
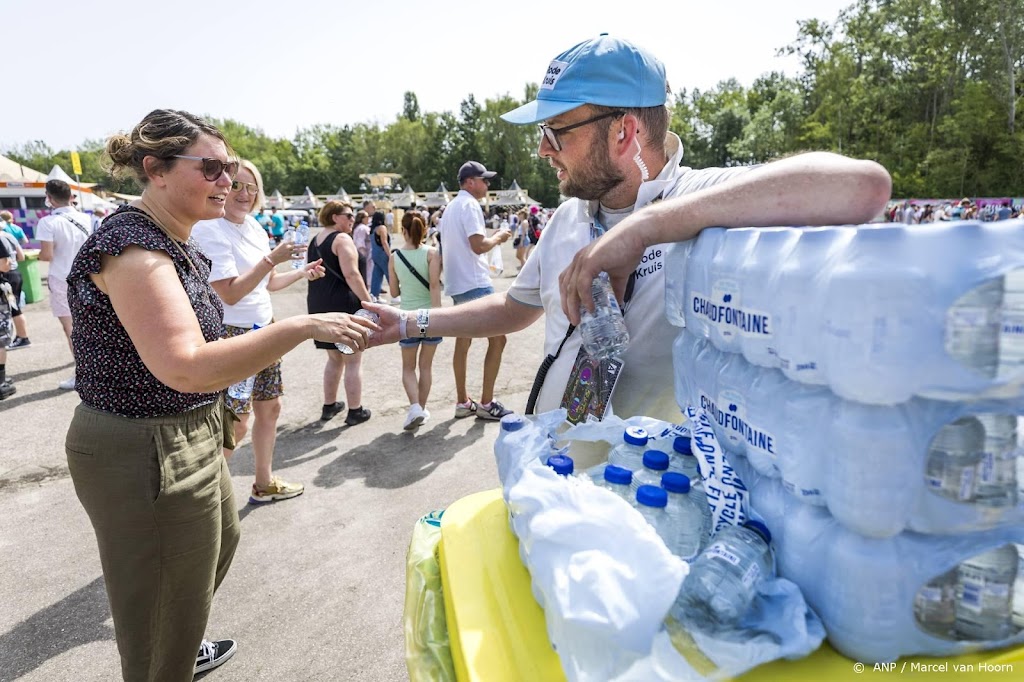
(317, 585)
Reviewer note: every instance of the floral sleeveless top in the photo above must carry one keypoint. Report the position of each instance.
(109, 373)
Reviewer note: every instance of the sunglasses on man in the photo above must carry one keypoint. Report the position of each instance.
(212, 168)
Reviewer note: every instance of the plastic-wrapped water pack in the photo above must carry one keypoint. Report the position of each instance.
(607, 582)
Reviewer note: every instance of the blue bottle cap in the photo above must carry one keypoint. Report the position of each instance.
(651, 496)
(675, 482)
(656, 459)
(635, 435)
(561, 464)
(614, 474)
(682, 445)
(512, 422)
(760, 529)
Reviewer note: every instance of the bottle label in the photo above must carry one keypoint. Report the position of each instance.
(751, 575)
(730, 414)
(931, 594)
(719, 551)
(966, 491)
(724, 312)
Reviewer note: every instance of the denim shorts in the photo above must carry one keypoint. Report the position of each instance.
(415, 341)
(472, 295)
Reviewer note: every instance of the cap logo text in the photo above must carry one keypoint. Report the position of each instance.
(554, 72)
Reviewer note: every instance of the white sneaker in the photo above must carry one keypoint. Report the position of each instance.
(414, 418)
(397, 300)
(67, 384)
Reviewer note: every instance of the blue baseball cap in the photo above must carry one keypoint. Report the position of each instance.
(605, 71)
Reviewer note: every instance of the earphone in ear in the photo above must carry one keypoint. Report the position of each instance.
(622, 133)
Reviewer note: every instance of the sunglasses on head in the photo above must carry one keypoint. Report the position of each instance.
(212, 168)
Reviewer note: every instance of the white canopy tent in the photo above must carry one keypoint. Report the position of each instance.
(513, 196)
(307, 200)
(439, 197)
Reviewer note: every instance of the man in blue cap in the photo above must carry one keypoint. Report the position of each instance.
(604, 123)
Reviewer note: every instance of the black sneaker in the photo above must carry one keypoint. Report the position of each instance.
(19, 342)
(214, 654)
(7, 389)
(357, 415)
(493, 413)
(331, 411)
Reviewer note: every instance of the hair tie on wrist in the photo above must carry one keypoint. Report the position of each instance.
(267, 260)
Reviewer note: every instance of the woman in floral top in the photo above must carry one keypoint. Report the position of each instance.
(144, 446)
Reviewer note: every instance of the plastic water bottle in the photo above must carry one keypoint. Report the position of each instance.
(1011, 327)
(984, 589)
(997, 471)
(683, 461)
(300, 236)
(684, 508)
(954, 457)
(604, 331)
(364, 313)
(655, 464)
(973, 326)
(289, 235)
(677, 256)
(562, 464)
(618, 480)
(758, 280)
(697, 314)
(629, 454)
(935, 604)
(802, 302)
(242, 390)
(651, 502)
(723, 580)
(727, 310)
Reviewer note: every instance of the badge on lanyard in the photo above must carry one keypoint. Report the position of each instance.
(588, 394)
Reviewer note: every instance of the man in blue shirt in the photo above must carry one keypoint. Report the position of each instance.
(276, 226)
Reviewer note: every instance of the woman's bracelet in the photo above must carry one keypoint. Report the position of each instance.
(403, 325)
(266, 259)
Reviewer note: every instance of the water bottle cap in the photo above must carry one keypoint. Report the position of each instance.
(614, 474)
(635, 435)
(675, 482)
(651, 496)
(561, 464)
(656, 459)
(682, 445)
(760, 529)
(512, 422)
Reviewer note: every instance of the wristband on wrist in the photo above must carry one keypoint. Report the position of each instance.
(266, 259)
(423, 321)
(403, 323)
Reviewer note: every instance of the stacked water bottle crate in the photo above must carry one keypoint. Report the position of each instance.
(871, 379)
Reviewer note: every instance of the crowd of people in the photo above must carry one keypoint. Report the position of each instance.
(919, 212)
(173, 290)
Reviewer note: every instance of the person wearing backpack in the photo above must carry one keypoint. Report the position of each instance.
(414, 274)
(61, 234)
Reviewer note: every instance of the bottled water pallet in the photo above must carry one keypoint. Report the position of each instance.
(911, 594)
(879, 313)
(931, 466)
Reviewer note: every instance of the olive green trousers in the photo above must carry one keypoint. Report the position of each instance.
(158, 493)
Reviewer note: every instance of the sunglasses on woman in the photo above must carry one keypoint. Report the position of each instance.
(212, 168)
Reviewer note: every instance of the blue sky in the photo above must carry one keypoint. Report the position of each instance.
(85, 70)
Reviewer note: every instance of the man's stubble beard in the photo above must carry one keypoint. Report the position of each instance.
(595, 177)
